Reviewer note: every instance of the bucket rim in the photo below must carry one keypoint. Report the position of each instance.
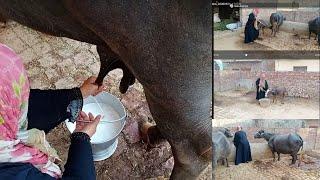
(115, 137)
(123, 118)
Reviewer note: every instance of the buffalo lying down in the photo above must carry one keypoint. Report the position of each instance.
(282, 143)
(165, 44)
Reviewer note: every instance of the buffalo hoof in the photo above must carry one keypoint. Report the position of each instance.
(293, 165)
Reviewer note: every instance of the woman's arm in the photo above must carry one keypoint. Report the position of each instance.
(256, 24)
(48, 108)
(80, 161)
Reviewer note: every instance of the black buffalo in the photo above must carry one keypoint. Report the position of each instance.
(166, 45)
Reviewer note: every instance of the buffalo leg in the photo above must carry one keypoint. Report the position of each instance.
(214, 165)
(274, 156)
(278, 156)
(227, 162)
(191, 143)
(187, 164)
(110, 61)
(294, 158)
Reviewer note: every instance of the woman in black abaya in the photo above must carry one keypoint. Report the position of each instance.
(262, 87)
(251, 31)
(243, 151)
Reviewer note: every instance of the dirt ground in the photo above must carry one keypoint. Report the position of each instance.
(288, 41)
(270, 170)
(228, 40)
(60, 63)
(241, 104)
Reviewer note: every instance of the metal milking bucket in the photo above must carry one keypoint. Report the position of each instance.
(104, 141)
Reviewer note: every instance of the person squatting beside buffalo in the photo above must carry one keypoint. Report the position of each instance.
(261, 86)
(26, 115)
(251, 31)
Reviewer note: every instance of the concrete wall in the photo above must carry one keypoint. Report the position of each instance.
(260, 151)
(262, 123)
(300, 15)
(287, 65)
(249, 65)
(298, 84)
(308, 129)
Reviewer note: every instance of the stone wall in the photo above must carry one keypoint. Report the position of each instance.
(298, 84)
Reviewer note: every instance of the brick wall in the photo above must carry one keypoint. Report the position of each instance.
(264, 13)
(298, 84)
(302, 15)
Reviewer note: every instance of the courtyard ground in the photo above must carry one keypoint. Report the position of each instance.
(269, 170)
(57, 63)
(243, 105)
(233, 40)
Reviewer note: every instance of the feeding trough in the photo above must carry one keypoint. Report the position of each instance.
(104, 142)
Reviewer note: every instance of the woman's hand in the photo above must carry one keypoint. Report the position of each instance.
(87, 123)
(90, 88)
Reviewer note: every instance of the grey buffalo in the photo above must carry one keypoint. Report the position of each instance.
(221, 146)
(165, 45)
(276, 93)
(276, 20)
(282, 143)
(314, 27)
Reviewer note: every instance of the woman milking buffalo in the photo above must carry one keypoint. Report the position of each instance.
(262, 86)
(26, 115)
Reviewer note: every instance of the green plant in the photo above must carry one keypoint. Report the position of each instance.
(221, 26)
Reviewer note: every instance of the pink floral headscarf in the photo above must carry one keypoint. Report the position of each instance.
(17, 144)
(256, 11)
